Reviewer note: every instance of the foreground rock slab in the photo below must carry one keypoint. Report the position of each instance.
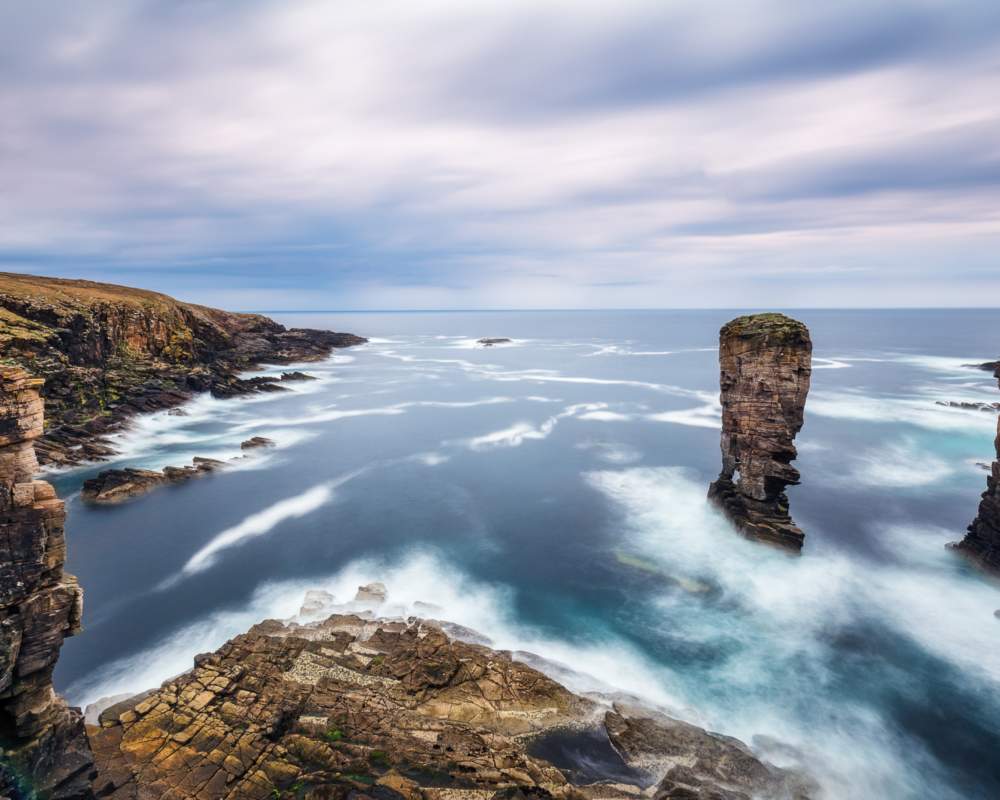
(765, 363)
(355, 707)
(43, 746)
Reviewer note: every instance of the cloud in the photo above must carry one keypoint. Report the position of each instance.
(311, 155)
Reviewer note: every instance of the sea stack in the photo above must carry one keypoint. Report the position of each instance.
(982, 541)
(765, 362)
(43, 746)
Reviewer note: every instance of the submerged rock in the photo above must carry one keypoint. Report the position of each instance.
(490, 342)
(765, 367)
(43, 746)
(982, 539)
(352, 707)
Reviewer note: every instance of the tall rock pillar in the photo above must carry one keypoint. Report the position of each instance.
(982, 541)
(765, 363)
(43, 746)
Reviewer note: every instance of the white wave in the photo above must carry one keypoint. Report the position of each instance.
(520, 432)
(895, 410)
(260, 523)
(828, 363)
(599, 663)
(605, 416)
(779, 613)
(897, 465)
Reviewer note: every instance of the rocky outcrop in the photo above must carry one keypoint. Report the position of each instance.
(114, 486)
(353, 707)
(487, 342)
(107, 352)
(256, 441)
(765, 366)
(982, 540)
(43, 747)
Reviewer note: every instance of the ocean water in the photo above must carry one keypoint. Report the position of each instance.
(551, 494)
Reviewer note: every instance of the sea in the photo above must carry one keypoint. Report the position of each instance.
(550, 493)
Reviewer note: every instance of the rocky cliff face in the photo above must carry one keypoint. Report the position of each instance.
(982, 541)
(43, 747)
(765, 366)
(357, 707)
(107, 352)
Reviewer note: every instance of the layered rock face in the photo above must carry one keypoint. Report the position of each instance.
(43, 746)
(982, 541)
(107, 352)
(355, 707)
(765, 363)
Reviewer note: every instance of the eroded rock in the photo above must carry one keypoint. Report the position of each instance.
(982, 539)
(43, 747)
(114, 486)
(765, 367)
(353, 706)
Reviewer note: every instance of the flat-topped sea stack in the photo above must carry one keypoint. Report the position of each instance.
(43, 746)
(982, 541)
(765, 362)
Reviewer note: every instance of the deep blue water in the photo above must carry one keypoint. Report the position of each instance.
(551, 494)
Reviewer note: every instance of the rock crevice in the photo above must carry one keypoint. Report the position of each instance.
(765, 363)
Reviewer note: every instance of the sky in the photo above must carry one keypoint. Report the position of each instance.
(291, 154)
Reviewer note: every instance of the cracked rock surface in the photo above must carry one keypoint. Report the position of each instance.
(352, 706)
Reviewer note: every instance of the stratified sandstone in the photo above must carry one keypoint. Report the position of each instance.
(43, 747)
(982, 541)
(108, 352)
(355, 707)
(765, 362)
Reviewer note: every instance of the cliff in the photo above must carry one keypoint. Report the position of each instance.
(765, 362)
(982, 541)
(107, 352)
(356, 707)
(43, 747)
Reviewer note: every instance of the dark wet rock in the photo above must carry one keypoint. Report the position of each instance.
(43, 746)
(765, 365)
(353, 706)
(297, 376)
(699, 763)
(114, 486)
(256, 441)
(110, 352)
(971, 406)
(982, 539)
(989, 366)
(491, 342)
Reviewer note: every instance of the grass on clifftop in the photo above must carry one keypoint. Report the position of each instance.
(771, 324)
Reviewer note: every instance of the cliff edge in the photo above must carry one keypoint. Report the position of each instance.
(982, 540)
(107, 352)
(43, 747)
(765, 363)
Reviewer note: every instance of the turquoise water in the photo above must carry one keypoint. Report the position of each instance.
(551, 494)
